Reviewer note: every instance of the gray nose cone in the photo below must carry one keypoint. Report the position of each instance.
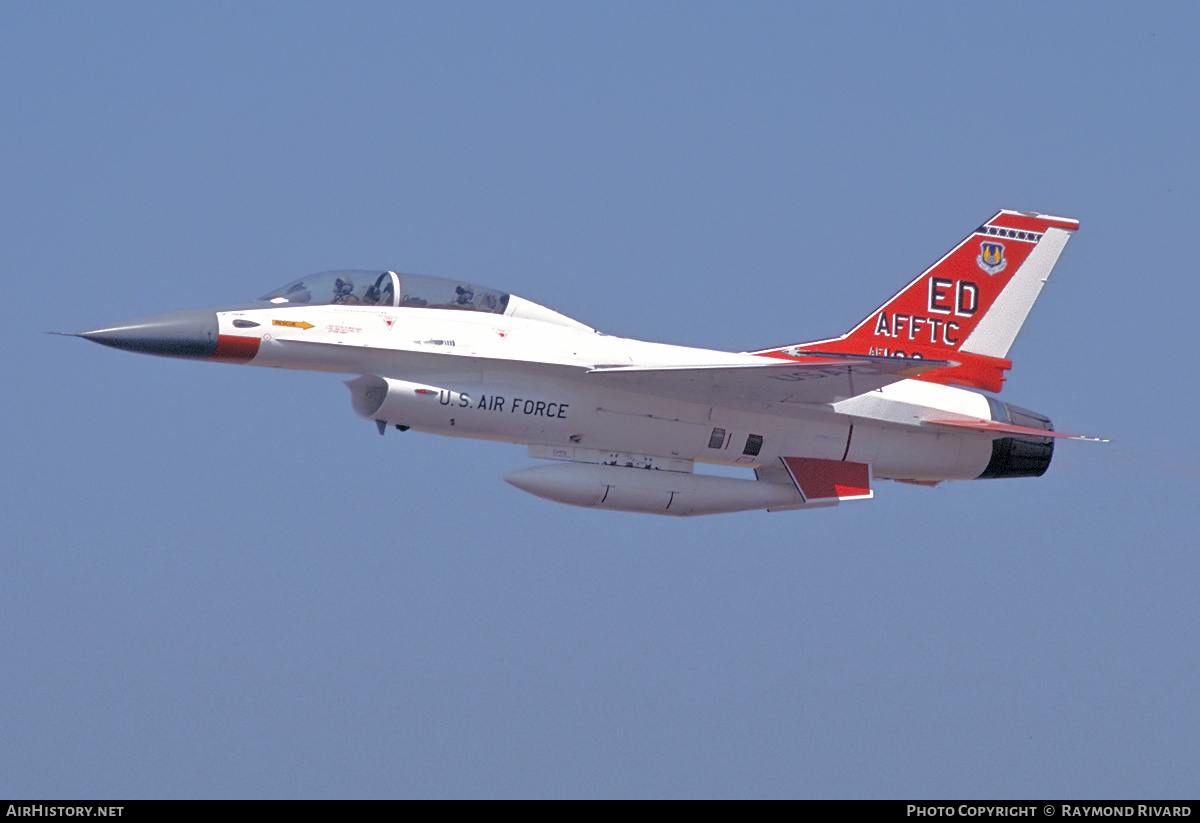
(179, 334)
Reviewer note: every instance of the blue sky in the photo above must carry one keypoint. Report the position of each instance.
(217, 581)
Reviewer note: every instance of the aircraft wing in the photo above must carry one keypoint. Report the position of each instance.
(997, 428)
(766, 386)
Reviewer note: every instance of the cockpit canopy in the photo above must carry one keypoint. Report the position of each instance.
(388, 288)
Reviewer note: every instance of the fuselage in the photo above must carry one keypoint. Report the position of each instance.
(523, 380)
(895, 397)
(450, 358)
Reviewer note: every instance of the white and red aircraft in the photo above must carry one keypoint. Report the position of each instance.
(895, 398)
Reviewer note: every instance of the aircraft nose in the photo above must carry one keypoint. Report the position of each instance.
(191, 334)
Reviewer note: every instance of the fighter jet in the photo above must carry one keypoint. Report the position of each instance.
(901, 396)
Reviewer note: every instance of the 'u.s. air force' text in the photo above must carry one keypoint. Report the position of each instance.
(494, 402)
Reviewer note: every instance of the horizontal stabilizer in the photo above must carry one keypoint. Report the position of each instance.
(1008, 429)
(829, 480)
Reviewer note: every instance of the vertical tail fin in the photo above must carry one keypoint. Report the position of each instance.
(967, 307)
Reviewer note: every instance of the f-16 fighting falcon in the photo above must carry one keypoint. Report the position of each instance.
(898, 397)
